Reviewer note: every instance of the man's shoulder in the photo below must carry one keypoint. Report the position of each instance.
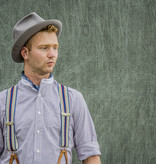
(70, 89)
(73, 93)
(3, 99)
(3, 93)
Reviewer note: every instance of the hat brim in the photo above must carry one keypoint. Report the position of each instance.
(16, 50)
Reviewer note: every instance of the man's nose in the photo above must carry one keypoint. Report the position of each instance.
(51, 52)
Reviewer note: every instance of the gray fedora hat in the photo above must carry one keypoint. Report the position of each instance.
(26, 28)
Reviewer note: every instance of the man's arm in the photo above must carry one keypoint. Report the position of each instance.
(1, 141)
(1, 128)
(92, 160)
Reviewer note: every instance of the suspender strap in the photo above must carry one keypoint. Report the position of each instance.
(61, 154)
(65, 114)
(11, 97)
(13, 156)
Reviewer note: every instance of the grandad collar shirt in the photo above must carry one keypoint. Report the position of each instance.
(38, 125)
(32, 84)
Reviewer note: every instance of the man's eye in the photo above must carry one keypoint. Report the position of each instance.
(55, 48)
(44, 48)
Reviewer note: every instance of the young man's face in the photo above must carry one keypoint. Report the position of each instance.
(43, 54)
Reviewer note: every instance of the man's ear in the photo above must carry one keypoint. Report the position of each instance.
(24, 53)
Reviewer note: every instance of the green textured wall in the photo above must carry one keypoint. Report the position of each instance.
(108, 52)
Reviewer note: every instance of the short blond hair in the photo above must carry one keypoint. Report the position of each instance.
(49, 28)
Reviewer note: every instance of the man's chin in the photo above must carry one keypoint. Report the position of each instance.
(49, 71)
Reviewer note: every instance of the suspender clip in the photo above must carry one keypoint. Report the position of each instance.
(9, 123)
(65, 114)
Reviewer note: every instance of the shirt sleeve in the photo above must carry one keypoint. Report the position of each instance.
(1, 141)
(85, 138)
(2, 106)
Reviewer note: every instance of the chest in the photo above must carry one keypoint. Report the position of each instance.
(37, 113)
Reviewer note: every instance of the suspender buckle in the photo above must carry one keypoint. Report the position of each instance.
(65, 114)
(9, 123)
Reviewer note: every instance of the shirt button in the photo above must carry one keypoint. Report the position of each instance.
(39, 94)
(38, 151)
(38, 131)
(39, 112)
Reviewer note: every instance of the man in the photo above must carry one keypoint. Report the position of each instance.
(32, 128)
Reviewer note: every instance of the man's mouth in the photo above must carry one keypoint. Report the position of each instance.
(50, 63)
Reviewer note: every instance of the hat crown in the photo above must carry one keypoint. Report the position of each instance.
(26, 23)
(26, 28)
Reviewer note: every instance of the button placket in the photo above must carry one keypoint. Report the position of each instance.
(38, 127)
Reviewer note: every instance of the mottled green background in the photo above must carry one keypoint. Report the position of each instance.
(108, 52)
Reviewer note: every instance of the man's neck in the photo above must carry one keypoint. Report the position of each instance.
(35, 77)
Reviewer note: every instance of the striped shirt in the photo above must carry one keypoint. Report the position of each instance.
(38, 125)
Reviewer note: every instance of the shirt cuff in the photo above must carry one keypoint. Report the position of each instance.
(87, 150)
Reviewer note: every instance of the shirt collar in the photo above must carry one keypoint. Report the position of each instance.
(32, 84)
